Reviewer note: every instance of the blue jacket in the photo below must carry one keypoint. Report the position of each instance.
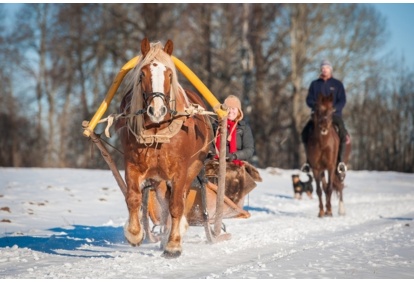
(331, 85)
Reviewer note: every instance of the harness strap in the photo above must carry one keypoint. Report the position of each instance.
(162, 135)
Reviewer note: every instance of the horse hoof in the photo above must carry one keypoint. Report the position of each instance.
(173, 254)
(133, 244)
(341, 210)
(132, 238)
(328, 214)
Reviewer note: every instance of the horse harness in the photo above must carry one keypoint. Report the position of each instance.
(164, 135)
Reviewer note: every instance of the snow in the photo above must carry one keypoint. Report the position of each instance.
(68, 224)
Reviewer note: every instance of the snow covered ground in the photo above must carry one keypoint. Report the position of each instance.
(68, 223)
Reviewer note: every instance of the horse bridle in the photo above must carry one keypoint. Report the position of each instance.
(148, 97)
(322, 117)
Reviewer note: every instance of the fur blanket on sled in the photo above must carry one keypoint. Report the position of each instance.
(240, 180)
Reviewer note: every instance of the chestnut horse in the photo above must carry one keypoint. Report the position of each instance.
(322, 153)
(161, 143)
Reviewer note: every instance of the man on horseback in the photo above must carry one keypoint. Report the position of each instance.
(325, 85)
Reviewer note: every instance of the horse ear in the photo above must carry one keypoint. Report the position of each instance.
(169, 46)
(145, 47)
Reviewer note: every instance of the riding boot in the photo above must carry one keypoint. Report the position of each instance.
(342, 133)
(341, 169)
(305, 167)
(341, 165)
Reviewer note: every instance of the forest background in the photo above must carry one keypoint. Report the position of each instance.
(57, 62)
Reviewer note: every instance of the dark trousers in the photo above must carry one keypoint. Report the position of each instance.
(342, 133)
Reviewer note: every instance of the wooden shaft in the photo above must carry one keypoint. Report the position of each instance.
(109, 95)
(200, 86)
(197, 83)
(110, 162)
(221, 177)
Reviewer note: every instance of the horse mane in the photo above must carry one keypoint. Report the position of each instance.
(136, 103)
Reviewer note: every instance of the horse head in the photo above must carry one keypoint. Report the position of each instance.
(323, 113)
(156, 80)
(156, 83)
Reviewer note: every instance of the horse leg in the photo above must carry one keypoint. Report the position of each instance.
(328, 193)
(341, 208)
(324, 182)
(133, 230)
(145, 215)
(319, 192)
(339, 185)
(179, 222)
(163, 194)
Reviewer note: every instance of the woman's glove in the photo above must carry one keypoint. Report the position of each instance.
(210, 155)
(231, 157)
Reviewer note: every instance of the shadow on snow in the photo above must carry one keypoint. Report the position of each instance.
(75, 238)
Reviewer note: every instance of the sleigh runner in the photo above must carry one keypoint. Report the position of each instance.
(207, 201)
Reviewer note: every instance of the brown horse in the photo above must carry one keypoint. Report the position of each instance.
(322, 153)
(161, 143)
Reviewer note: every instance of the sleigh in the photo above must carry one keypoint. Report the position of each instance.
(219, 196)
(201, 202)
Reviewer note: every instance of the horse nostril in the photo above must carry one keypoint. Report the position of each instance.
(163, 110)
(151, 110)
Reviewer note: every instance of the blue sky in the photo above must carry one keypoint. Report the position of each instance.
(400, 19)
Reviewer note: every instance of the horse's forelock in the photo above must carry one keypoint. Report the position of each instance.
(156, 52)
(324, 106)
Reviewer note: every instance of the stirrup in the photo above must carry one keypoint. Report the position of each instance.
(305, 168)
(341, 168)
